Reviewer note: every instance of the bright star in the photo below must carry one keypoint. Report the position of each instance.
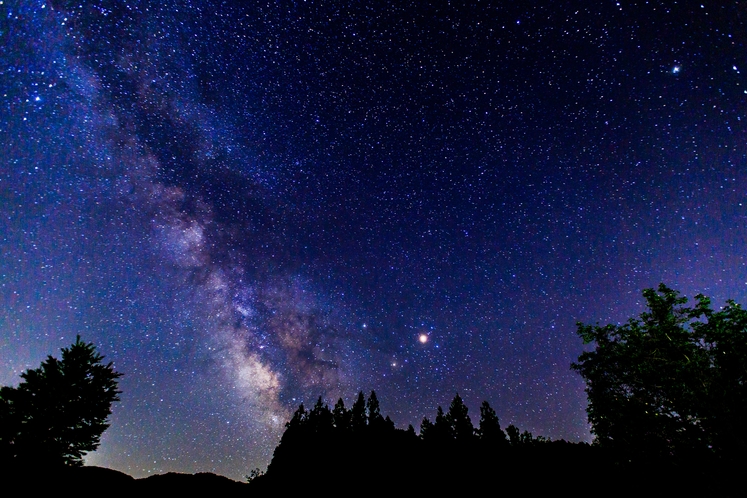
(423, 338)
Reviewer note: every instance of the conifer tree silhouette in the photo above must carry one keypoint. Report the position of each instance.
(442, 431)
(341, 416)
(375, 420)
(490, 429)
(459, 421)
(320, 418)
(426, 429)
(358, 417)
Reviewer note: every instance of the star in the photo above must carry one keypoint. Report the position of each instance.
(238, 246)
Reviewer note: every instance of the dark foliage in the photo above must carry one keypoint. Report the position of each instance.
(490, 431)
(341, 416)
(451, 456)
(426, 428)
(358, 419)
(375, 420)
(324, 444)
(59, 411)
(350, 442)
(670, 384)
(458, 419)
(442, 430)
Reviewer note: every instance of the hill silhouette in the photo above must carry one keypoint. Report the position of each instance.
(118, 483)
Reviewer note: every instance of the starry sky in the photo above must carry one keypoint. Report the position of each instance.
(248, 204)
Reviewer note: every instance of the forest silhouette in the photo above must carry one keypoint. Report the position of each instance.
(358, 447)
(667, 400)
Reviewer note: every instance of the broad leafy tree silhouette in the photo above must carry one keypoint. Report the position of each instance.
(59, 411)
(670, 384)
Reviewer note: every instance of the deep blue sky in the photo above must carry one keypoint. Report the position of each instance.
(246, 205)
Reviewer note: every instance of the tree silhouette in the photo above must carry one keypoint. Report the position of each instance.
(490, 429)
(388, 424)
(358, 419)
(411, 432)
(298, 419)
(526, 438)
(59, 411)
(671, 382)
(442, 431)
(448, 454)
(320, 418)
(514, 437)
(375, 420)
(436, 461)
(426, 429)
(458, 418)
(725, 406)
(341, 416)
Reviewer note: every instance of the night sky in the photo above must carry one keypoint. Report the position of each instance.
(246, 205)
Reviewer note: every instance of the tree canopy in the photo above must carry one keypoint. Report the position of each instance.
(324, 442)
(671, 382)
(59, 410)
(667, 397)
(490, 427)
(461, 425)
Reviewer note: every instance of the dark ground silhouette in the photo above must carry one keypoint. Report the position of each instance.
(667, 399)
(325, 446)
(360, 451)
(58, 412)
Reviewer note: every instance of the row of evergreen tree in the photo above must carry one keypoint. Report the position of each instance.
(359, 444)
(364, 417)
(350, 446)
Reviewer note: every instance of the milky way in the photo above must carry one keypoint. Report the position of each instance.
(247, 205)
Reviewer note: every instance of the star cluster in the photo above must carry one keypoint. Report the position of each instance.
(246, 205)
